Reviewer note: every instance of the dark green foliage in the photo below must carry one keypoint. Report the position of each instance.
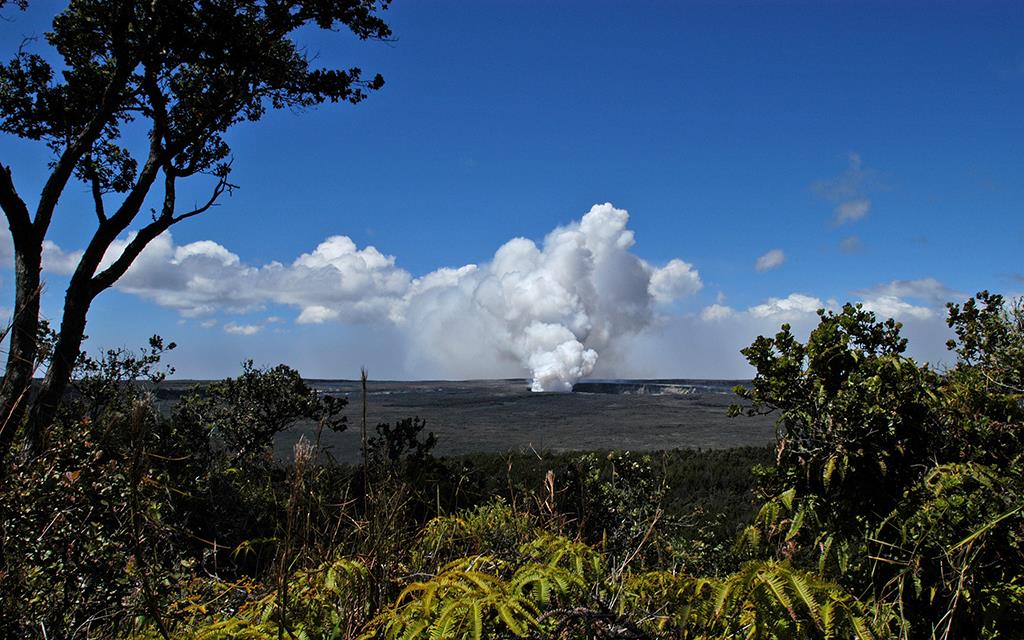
(92, 529)
(193, 68)
(954, 550)
(618, 500)
(893, 507)
(855, 415)
(244, 414)
(493, 528)
(706, 497)
(897, 480)
(119, 376)
(983, 395)
(241, 494)
(400, 450)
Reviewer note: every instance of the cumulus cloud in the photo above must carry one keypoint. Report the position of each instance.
(335, 281)
(894, 307)
(548, 309)
(921, 299)
(774, 310)
(849, 191)
(56, 260)
(242, 329)
(895, 299)
(716, 311)
(675, 280)
(770, 260)
(579, 302)
(707, 344)
(316, 314)
(786, 309)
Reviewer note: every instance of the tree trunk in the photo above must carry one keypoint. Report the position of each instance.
(62, 363)
(24, 347)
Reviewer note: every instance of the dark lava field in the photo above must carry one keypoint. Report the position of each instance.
(504, 415)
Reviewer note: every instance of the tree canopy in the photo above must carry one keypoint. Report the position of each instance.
(188, 71)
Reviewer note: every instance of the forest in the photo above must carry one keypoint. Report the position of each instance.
(892, 506)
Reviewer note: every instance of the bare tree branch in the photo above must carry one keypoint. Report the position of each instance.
(223, 186)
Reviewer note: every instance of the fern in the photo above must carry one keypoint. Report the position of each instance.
(474, 596)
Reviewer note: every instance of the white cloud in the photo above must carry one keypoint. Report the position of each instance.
(894, 299)
(928, 290)
(56, 260)
(316, 314)
(578, 303)
(202, 278)
(770, 260)
(785, 309)
(205, 249)
(551, 308)
(707, 345)
(242, 329)
(673, 281)
(716, 312)
(893, 307)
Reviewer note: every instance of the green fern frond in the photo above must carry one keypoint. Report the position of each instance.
(800, 586)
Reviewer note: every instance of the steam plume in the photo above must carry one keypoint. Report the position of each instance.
(552, 309)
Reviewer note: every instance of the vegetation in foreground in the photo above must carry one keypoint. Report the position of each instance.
(892, 506)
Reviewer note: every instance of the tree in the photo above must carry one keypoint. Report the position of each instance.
(245, 414)
(901, 482)
(855, 414)
(189, 70)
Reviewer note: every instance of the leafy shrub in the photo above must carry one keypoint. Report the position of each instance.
(894, 508)
(895, 479)
(244, 414)
(88, 529)
(617, 499)
(855, 415)
(954, 550)
(493, 528)
(764, 599)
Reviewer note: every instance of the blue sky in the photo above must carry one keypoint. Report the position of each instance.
(877, 148)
